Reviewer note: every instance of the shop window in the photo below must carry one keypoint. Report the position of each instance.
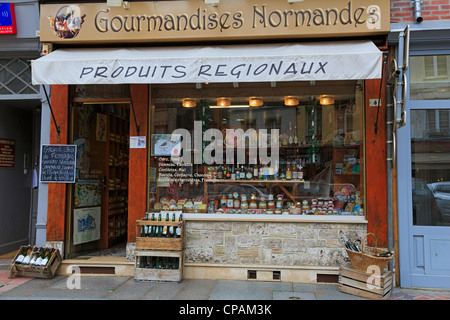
(429, 77)
(258, 148)
(430, 141)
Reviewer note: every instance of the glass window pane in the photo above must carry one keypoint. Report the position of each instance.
(430, 77)
(320, 162)
(430, 156)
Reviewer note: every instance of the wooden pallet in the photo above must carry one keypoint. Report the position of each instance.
(365, 285)
(158, 274)
(45, 272)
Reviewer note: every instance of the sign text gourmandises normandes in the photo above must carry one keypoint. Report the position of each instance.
(261, 17)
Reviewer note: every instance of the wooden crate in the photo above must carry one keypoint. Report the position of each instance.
(158, 274)
(378, 287)
(45, 272)
(155, 243)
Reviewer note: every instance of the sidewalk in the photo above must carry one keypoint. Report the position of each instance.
(127, 288)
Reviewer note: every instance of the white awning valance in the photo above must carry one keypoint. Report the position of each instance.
(343, 60)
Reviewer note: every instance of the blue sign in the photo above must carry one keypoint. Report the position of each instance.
(7, 18)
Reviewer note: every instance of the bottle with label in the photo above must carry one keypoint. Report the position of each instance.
(220, 173)
(261, 171)
(230, 202)
(28, 257)
(178, 230)
(165, 228)
(223, 201)
(291, 138)
(47, 257)
(249, 173)
(236, 202)
(253, 202)
(242, 173)
(41, 257)
(270, 202)
(35, 256)
(271, 172)
(279, 203)
(262, 203)
(288, 171)
(238, 173)
(255, 171)
(211, 207)
(23, 254)
(227, 173)
(171, 230)
(265, 172)
(158, 231)
(294, 170)
(144, 228)
(244, 203)
(233, 174)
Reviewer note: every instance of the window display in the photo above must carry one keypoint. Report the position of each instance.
(293, 148)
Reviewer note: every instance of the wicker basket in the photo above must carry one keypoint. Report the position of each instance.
(361, 261)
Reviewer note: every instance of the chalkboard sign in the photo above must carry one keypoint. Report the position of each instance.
(58, 163)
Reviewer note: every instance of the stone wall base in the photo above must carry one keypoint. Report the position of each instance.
(299, 274)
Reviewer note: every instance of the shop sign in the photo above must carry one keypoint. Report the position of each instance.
(192, 20)
(7, 153)
(7, 18)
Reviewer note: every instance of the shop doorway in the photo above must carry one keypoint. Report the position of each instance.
(424, 176)
(97, 218)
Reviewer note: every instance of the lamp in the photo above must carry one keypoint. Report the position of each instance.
(326, 100)
(291, 101)
(118, 3)
(255, 102)
(189, 103)
(215, 3)
(223, 102)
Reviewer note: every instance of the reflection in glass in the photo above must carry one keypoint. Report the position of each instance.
(429, 77)
(430, 155)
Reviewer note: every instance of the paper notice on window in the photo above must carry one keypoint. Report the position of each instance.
(138, 142)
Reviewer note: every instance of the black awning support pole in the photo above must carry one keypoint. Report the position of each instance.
(58, 139)
(134, 115)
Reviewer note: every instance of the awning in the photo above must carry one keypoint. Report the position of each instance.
(343, 60)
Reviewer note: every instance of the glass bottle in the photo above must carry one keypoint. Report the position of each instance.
(255, 171)
(223, 201)
(47, 257)
(242, 173)
(22, 255)
(288, 171)
(230, 202)
(249, 173)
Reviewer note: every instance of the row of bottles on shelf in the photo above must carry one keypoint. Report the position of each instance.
(35, 256)
(290, 169)
(117, 226)
(150, 262)
(236, 201)
(161, 231)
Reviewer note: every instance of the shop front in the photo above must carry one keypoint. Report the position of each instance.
(272, 151)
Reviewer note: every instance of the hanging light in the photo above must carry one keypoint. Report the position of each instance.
(291, 101)
(189, 103)
(326, 100)
(255, 102)
(223, 102)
